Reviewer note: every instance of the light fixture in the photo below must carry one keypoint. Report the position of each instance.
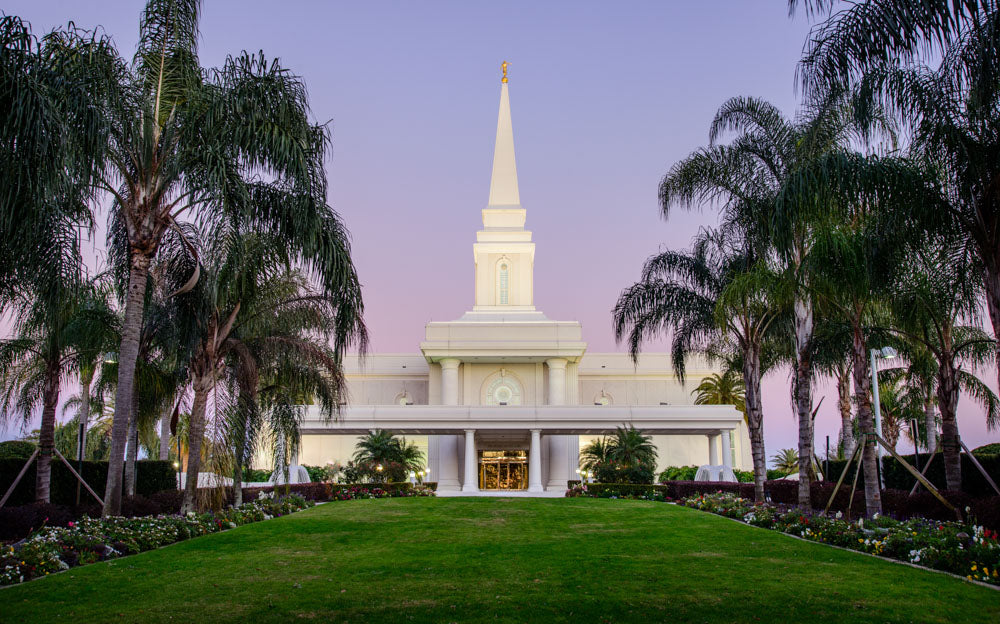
(379, 467)
(427, 470)
(177, 464)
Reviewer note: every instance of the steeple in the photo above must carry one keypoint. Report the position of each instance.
(503, 184)
(504, 253)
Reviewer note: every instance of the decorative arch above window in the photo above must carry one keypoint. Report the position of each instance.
(603, 398)
(403, 398)
(502, 388)
(503, 280)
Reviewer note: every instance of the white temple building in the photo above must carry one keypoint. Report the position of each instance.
(502, 398)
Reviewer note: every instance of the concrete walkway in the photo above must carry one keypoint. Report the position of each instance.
(502, 493)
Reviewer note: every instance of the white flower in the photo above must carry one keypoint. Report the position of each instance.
(839, 515)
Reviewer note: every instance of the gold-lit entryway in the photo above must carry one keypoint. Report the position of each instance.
(503, 470)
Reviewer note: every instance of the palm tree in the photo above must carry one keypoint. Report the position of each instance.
(747, 177)
(786, 460)
(939, 290)
(598, 451)
(50, 344)
(853, 265)
(287, 364)
(184, 140)
(716, 300)
(872, 33)
(377, 447)
(52, 143)
(953, 111)
(631, 447)
(724, 389)
(249, 309)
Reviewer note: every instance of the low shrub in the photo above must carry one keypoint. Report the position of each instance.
(643, 491)
(431, 485)
(963, 548)
(616, 472)
(87, 540)
(678, 473)
(16, 449)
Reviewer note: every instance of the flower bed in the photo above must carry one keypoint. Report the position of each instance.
(88, 540)
(962, 548)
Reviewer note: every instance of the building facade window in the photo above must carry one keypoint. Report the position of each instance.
(503, 282)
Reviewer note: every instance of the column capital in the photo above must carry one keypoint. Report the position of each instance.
(450, 363)
(538, 431)
(557, 363)
(469, 430)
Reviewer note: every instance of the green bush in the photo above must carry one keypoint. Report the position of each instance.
(614, 472)
(16, 449)
(628, 490)
(743, 476)
(317, 474)
(253, 475)
(678, 473)
(151, 476)
(987, 449)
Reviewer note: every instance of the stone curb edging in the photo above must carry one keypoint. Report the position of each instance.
(857, 552)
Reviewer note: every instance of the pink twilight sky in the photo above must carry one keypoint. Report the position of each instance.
(605, 97)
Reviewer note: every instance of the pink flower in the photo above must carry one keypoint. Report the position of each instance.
(71, 525)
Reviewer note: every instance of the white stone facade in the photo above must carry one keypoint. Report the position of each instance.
(503, 377)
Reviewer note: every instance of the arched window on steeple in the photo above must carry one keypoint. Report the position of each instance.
(503, 281)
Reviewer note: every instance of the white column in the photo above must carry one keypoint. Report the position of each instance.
(727, 454)
(557, 381)
(713, 450)
(447, 463)
(535, 461)
(559, 471)
(449, 381)
(470, 481)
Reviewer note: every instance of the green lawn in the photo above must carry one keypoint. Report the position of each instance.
(512, 560)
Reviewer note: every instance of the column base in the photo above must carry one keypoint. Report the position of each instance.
(535, 488)
(449, 484)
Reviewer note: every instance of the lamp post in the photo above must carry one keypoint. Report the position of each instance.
(885, 353)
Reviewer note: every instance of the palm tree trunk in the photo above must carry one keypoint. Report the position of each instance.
(165, 431)
(131, 452)
(128, 353)
(47, 434)
(755, 418)
(196, 430)
(85, 380)
(803, 396)
(238, 472)
(951, 445)
(930, 425)
(862, 392)
(846, 419)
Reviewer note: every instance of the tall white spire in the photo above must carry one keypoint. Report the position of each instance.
(503, 184)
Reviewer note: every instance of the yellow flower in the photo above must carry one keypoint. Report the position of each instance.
(973, 567)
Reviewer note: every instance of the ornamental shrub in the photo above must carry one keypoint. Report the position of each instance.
(678, 473)
(615, 472)
(16, 449)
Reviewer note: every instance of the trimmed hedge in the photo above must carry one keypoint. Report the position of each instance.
(898, 477)
(897, 503)
(151, 476)
(20, 521)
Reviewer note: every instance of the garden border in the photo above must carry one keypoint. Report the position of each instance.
(857, 552)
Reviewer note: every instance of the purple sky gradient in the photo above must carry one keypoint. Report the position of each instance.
(604, 97)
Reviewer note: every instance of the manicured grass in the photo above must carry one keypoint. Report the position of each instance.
(508, 560)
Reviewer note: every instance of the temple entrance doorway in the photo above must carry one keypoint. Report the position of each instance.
(503, 470)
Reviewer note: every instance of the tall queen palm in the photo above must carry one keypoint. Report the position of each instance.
(229, 145)
(716, 300)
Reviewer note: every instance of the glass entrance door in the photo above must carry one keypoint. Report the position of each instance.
(503, 470)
